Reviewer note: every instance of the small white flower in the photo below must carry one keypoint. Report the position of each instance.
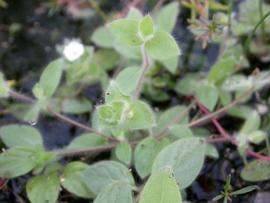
(73, 50)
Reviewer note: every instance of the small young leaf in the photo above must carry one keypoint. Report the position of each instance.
(167, 16)
(72, 179)
(20, 135)
(126, 30)
(252, 123)
(162, 46)
(123, 152)
(146, 28)
(245, 190)
(145, 154)
(127, 79)
(103, 173)
(87, 140)
(50, 78)
(185, 157)
(76, 106)
(43, 188)
(257, 170)
(102, 37)
(17, 161)
(208, 95)
(161, 188)
(3, 87)
(140, 116)
(113, 93)
(116, 192)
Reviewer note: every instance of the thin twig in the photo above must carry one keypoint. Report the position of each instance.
(92, 150)
(219, 112)
(24, 98)
(225, 135)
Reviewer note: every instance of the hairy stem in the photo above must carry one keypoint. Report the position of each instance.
(145, 66)
(24, 98)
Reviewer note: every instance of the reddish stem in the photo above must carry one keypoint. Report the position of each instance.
(226, 136)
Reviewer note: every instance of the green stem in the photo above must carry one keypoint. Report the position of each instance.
(255, 29)
(230, 16)
(193, 10)
(263, 23)
(145, 66)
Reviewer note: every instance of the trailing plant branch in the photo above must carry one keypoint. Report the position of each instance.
(225, 135)
(24, 98)
(88, 151)
(219, 112)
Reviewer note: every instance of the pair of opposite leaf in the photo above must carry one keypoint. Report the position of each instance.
(157, 43)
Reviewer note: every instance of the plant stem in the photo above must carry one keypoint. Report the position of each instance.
(230, 16)
(219, 112)
(145, 66)
(263, 23)
(24, 98)
(92, 150)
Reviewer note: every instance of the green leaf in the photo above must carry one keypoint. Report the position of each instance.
(140, 116)
(167, 16)
(212, 151)
(20, 135)
(116, 192)
(3, 87)
(187, 85)
(44, 188)
(126, 30)
(110, 116)
(113, 93)
(257, 170)
(185, 157)
(76, 106)
(162, 46)
(72, 179)
(168, 116)
(134, 14)
(17, 161)
(180, 131)
(237, 83)
(245, 190)
(87, 140)
(127, 51)
(50, 79)
(112, 58)
(252, 123)
(102, 37)
(145, 154)
(257, 136)
(171, 64)
(103, 173)
(161, 188)
(146, 28)
(123, 152)
(230, 61)
(128, 79)
(208, 95)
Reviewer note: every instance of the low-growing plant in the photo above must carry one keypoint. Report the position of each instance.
(165, 149)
